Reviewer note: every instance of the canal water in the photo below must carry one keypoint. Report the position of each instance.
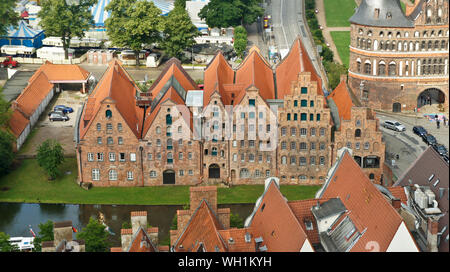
(15, 218)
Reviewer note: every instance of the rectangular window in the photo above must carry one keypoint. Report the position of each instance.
(268, 128)
(129, 175)
(149, 156)
(133, 157)
(318, 117)
(295, 103)
(251, 143)
(112, 157)
(99, 140)
(288, 117)
(90, 156)
(190, 155)
(190, 173)
(251, 102)
(180, 155)
(303, 117)
(322, 160)
(181, 173)
(242, 115)
(95, 174)
(304, 90)
(242, 143)
(311, 117)
(122, 157)
(304, 103)
(267, 173)
(120, 140)
(112, 175)
(295, 116)
(99, 156)
(268, 158)
(242, 157)
(311, 103)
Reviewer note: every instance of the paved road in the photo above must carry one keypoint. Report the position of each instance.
(287, 20)
(406, 144)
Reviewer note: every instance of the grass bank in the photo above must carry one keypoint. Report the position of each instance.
(28, 183)
(337, 12)
(342, 41)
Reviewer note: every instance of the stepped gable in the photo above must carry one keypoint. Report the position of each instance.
(295, 62)
(201, 230)
(62, 72)
(254, 70)
(116, 85)
(373, 216)
(381, 13)
(276, 223)
(218, 74)
(172, 84)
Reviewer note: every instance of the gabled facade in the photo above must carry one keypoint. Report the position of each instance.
(356, 127)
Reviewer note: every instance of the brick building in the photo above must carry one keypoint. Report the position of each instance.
(356, 127)
(398, 60)
(247, 124)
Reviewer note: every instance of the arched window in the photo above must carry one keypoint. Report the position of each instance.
(358, 66)
(357, 133)
(108, 114)
(369, 44)
(158, 130)
(398, 35)
(381, 34)
(392, 69)
(367, 68)
(375, 45)
(381, 45)
(442, 44)
(293, 160)
(381, 68)
(393, 46)
(283, 160)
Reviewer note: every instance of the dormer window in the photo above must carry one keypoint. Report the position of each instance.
(108, 114)
(377, 13)
(388, 15)
(309, 225)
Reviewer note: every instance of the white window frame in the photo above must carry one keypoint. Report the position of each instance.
(133, 157)
(96, 174)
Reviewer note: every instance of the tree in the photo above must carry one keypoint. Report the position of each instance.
(133, 24)
(58, 18)
(180, 4)
(179, 32)
(8, 16)
(6, 151)
(94, 236)
(226, 13)
(5, 110)
(50, 155)
(240, 40)
(5, 244)
(334, 72)
(45, 234)
(236, 221)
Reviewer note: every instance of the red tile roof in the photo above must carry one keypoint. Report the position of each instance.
(254, 70)
(276, 223)
(116, 249)
(238, 243)
(33, 95)
(368, 209)
(343, 101)
(62, 72)
(18, 122)
(302, 211)
(118, 86)
(399, 192)
(217, 74)
(296, 61)
(141, 243)
(202, 229)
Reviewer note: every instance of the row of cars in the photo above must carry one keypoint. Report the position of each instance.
(431, 140)
(423, 133)
(59, 113)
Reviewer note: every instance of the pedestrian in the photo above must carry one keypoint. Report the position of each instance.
(437, 123)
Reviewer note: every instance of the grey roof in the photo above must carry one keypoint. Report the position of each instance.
(15, 85)
(334, 112)
(194, 99)
(416, 11)
(427, 164)
(365, 14)
(342, 238)
(329, 208)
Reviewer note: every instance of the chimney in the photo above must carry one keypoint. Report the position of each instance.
(138, 219)
(173, 236)
(125, 238)
(153, 235)
(432, 232)
(396, 203)
(62, 231)
(224, 217)
(183, 217)
(208, 193)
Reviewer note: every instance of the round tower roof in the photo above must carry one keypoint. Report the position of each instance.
(382, 13)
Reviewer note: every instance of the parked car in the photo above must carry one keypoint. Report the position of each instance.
(63, 108)
(58, 117)
(440, 149)
(394, 125)
(9, 62)
(59, 111)
(430, 140)
(445, 157)
(419, 130)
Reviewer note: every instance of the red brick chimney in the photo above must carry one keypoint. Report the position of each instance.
(397, 204)
(208, 193)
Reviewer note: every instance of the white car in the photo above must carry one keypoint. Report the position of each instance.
(394, 125)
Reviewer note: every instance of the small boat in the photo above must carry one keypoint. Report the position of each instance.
(101, 219)
(23, 243)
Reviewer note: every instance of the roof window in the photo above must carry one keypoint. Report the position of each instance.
(436, 183)
(431, 177)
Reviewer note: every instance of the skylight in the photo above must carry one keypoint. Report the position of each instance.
(431, 177)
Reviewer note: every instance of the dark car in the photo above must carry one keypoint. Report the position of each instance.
(445, 157)
(58, 117)
(419, 130)
(63, 109)
(59, 111)
(430, 140)
(440, 149)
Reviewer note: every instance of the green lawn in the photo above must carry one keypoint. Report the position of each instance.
(342, 41)
(28, 183)
(338, 12)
